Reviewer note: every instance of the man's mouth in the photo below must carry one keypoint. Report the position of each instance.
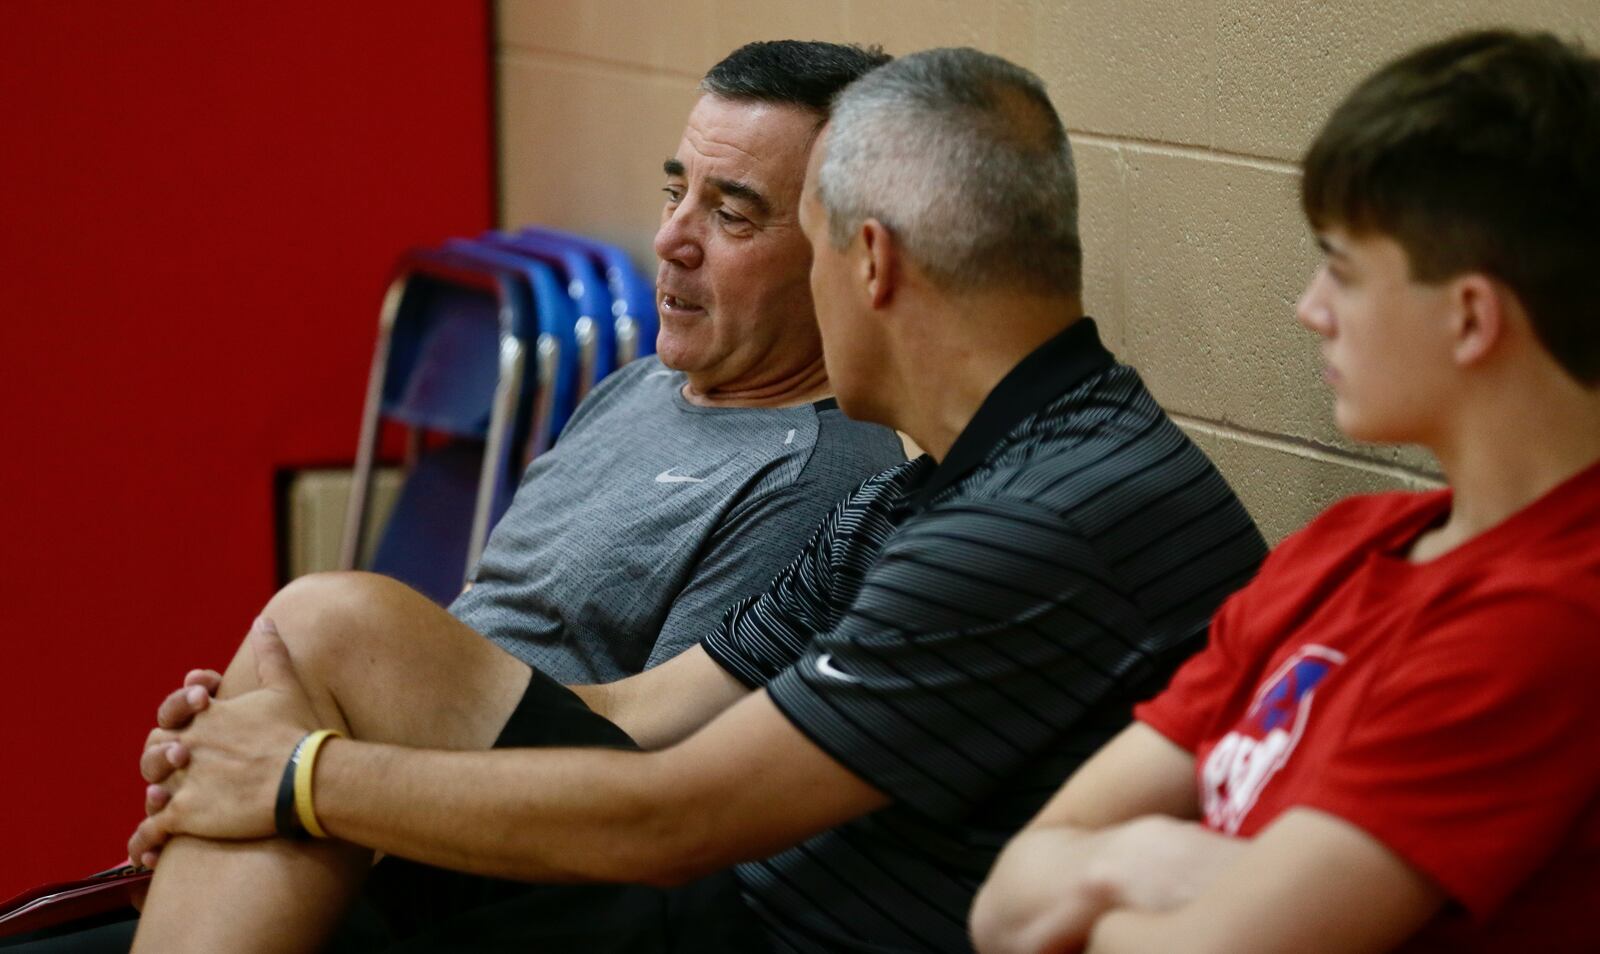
(678, 305)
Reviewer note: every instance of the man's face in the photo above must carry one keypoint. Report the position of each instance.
(1386, 344)
(732, 287)
(834, 293)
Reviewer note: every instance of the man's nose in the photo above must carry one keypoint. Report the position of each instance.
(676, 241)
(1312, 309)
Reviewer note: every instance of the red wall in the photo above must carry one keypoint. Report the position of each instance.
(198, 207)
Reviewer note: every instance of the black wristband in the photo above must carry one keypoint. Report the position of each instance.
(284, 816)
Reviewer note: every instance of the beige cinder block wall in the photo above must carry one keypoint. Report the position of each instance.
(1187, 117)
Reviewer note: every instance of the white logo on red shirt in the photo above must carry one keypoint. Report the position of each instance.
(1247, 758)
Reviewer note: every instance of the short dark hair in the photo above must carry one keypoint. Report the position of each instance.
(805, 73)
(1479, 153)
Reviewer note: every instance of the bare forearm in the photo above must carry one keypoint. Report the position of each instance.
(1056, 883)
(1126, 931)
(532, 814)
(666, 704)
(1039, 894)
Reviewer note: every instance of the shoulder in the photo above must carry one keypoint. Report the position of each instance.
(644, 380)
(1355, 526)
(1106, 451)
(1363, 515)
(859, 442)
(1510, 626)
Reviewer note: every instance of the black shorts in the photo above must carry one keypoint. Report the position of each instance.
(409, 907)
(428, 909)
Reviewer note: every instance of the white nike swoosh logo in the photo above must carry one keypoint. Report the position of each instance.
(668, 477)
(826, 667)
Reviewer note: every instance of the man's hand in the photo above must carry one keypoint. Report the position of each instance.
(163, 753)
(222, 772)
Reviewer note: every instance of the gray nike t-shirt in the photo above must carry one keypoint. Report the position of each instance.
(651, 516)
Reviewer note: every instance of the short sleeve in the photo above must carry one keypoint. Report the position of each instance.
(739, 562)
(1193, 703)
(982, 630)
(761, 635)
(1478, 747)
(1208, 687)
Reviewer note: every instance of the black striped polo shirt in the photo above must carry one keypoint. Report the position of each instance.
(963, 636)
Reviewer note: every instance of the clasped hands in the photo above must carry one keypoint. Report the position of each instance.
(213, 765)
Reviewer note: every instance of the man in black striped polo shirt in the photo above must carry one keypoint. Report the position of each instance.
(960, 634)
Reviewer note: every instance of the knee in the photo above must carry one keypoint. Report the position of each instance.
(328, 614)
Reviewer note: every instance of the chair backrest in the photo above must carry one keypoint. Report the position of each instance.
(633, 295)
(449, 360)
(552, 337)
(591, 296)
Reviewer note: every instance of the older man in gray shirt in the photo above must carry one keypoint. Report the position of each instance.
(687, 480)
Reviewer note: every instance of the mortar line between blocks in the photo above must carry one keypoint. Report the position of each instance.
(1310, 450)
(527, 55)
(1159, 148)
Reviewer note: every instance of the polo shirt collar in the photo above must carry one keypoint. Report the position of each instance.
(1053, 368)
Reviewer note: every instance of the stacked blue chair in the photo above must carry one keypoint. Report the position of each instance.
(452, 365)
(633, 296)
(595, 332)
(558, 354)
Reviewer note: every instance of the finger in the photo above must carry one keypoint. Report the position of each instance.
(208, 679)
(147, 841)
(180, 707)
(155, 799)
(160, 761)
(158, 737)
(273, 665)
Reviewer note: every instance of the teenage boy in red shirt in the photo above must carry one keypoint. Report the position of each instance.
(1393, 739)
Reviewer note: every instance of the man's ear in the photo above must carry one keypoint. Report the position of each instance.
(1478, 315)
(880, 264)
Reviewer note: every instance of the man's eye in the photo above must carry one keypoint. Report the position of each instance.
(674, 194)
(729, 218)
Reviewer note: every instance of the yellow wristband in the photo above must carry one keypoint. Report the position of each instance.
(303, 807)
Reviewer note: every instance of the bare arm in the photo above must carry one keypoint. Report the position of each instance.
(744, 786)
(666, 704)
(1111, 864)
(1081, 856)
(1311, 883)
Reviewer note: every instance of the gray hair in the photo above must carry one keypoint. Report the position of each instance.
(961, 155)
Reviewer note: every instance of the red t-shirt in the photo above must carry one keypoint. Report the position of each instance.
(1451, 709)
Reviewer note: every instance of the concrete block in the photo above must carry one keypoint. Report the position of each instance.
(582, 145)
(1217, 257)
(1103, 224)
(1284, 64)
(905, 26)
(1284, 489)
(671, 37)
(1143, 70)
(736, 22)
